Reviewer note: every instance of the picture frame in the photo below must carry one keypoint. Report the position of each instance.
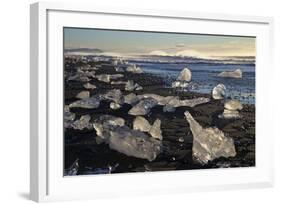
(47, 182)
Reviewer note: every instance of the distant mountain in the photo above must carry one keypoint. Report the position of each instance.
(83, 50)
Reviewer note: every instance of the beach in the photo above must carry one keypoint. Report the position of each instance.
(91, 157)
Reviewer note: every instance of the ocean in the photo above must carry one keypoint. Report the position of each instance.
(204, 73)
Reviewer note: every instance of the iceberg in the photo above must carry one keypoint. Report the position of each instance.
(231, 74)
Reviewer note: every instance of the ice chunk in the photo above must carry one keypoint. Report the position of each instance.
(119, 69)
(130, 86)
(106, 123)
(83, 95)
(160, 99)
(114, 106)
(219, 92)
(73, 169)
(193, 102)
(231, 108)
(89, 86)
(88, 103)
(134, 143)
(155, 130)
(171, 102)
(68, 117)
(230, 114)
(78, 77)
(185, 75)
(134, 69)
(131, 99)
(231, 74)
(114, 95)
(143, 107)
(141, 124)
(107, 77)
(82, 123)
(104, 78)
(209, 143)
(180, 84)
(233, 105)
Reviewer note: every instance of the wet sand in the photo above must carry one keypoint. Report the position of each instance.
(96, 158)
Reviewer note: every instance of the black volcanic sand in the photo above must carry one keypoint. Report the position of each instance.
(96, 158)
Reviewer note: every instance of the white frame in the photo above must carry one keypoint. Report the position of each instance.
(40, 91)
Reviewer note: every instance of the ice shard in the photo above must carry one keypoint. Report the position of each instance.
(209, 143)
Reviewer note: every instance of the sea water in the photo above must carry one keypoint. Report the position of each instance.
(204, 74)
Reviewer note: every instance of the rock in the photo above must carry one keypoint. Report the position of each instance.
(89, 86)
(143, 107)
(114, 95)
(141, 124)
(82, 123)
(114, 106)
(185, 75)
(130, 86)
(87, 103)
(233, 105)
(155, 130)
(131, 99)
(83, 95)
(231, 74)
(134, 69)
(219, 92)
(105, 124)
(134, 143)
(209, 143)
(180, 84)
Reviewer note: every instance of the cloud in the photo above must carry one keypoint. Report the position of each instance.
(159, 53)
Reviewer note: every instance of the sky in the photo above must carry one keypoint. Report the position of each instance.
(132, 43)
